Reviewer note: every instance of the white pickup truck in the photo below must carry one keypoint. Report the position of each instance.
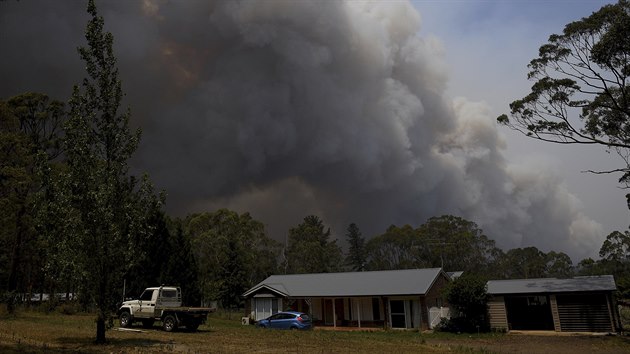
(163, 304)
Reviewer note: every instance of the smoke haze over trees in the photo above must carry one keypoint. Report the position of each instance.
(254, 108)
(329, 108)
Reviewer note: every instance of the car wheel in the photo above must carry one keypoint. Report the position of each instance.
(294, 328)
(125, 319)
(169, 323)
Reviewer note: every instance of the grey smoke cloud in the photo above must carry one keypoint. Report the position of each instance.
(286, 108)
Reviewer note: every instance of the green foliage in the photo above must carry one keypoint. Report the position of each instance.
(310, 250)
(232, 252)
(397, 248)
(356, 257)
(581, 73)
(110, 211)
(530, 262)
(447, 241)
(616, 247)
(558, 265)
(460, 244)
(468, 298)
(29, 142)
(181, 268)
(615, 260)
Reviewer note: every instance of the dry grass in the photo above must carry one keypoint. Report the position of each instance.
(36, 332)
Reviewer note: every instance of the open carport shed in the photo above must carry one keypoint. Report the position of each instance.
(579, 304)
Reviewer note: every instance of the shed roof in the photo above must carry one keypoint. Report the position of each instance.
(376, 283)
(552, 285)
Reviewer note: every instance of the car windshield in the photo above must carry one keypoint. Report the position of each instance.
(305, 317)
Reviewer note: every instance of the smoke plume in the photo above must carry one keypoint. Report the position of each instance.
(287, 108)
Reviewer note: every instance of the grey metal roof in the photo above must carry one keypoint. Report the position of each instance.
(552, 285)
(376, 283)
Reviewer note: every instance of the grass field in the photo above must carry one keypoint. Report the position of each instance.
(37, 332)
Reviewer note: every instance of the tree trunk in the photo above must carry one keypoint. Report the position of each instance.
(100, 328)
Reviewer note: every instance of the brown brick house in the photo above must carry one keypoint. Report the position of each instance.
(406, 299)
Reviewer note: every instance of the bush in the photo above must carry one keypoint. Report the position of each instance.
(468, 298)
(459, 325)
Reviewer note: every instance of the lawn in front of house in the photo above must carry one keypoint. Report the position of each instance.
(37, 332)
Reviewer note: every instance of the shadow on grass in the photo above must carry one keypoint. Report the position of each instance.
(32, 349)
(117, 342)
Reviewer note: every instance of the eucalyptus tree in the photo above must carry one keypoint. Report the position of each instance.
(581, 93)
(232, 253)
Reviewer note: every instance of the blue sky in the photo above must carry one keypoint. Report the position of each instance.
(487, 46)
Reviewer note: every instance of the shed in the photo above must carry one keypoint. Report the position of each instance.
(409, 298)
(579, 304)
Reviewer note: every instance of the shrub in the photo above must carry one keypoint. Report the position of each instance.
(468, 299)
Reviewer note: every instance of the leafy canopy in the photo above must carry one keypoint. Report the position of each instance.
(581, 73)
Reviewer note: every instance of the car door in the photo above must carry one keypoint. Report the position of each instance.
(275, 320)
(144, 304)
(284, 321)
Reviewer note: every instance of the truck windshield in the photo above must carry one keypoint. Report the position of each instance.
(146, 295)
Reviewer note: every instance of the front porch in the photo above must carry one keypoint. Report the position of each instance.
(356, 312)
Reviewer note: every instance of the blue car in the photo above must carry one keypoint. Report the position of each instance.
(287, 320)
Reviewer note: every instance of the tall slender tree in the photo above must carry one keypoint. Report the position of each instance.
(356, 257)
(111, 207)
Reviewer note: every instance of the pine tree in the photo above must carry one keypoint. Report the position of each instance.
(356, 257)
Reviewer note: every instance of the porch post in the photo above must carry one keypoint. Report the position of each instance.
(334, 305)
(359, 312)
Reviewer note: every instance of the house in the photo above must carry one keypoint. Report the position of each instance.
(579, 304)
(410, 298)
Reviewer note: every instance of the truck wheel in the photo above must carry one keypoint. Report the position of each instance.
(147, 323)
(169, 323)
(125, 319)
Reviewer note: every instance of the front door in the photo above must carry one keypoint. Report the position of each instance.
(328, 312)
(339, 311)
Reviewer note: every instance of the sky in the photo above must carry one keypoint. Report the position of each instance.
(377, 113)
